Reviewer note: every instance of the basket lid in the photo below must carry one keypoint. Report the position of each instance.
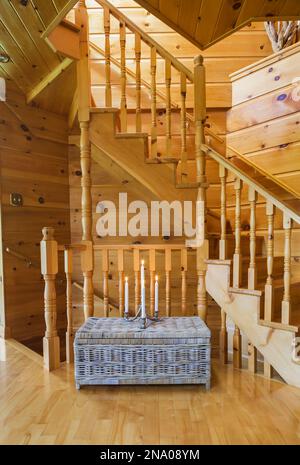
(118, 328)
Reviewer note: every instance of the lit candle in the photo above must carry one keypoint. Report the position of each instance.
(143, 299)
(156, 295)
(126, 308)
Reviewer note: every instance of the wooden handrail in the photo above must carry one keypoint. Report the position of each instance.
(239, 155)
(140, 247)
(285, 205)
(147, 39)
(130, 72)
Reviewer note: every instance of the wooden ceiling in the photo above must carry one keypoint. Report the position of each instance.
(22, 25)
(205, 22)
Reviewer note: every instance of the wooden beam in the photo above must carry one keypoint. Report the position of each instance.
(33, 93)
(73, 110)
(61, 15)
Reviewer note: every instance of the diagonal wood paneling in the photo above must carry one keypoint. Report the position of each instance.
(21, 29)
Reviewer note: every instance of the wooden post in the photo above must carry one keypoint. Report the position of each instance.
(237, 348)
(136, 269)
(83, 65)
(105, 270)
(222, 243)
(153, 104)
(223, 338)
(200, 118)
(121, 281)
(68, 262)
(106, 20)
(168, 77)
(138, 82)
(168, 268)
(286, 302)
(49, 269)
(87, 267)
(184, 267)
(152, 279)
(123, 112)
(268, 370)
(237, 257)
(84, 103)
(268, 313)
(252, 265)
(252, 358)
(184, 166)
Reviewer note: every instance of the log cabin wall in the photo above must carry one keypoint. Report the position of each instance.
(34, 163)
(263, 125)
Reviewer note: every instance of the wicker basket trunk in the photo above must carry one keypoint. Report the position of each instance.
(113, 351)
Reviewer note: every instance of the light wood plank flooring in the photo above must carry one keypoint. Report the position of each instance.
(41, 408)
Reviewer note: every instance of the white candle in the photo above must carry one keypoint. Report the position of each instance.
(156, 295)
(143, 299)
(126, 308)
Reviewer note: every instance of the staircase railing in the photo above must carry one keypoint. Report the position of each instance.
(275, 197)
(170, 62)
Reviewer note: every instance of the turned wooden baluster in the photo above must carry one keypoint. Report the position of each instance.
(68, 262)
(223, 338)
(153, 104)
(106, 20)
(123, 107)
(184, 267)
(252, 264)
(202, 243)
(136, 269)
(286, 302)
(168, 78)
(138, 82)
(222, 243)
(49, 269)
(237, 257)
(121, 281)
(87, 266)
(183, 125)
(237, 348)
(168, 268)
(152, 279)
(105, 270)
(268, 314)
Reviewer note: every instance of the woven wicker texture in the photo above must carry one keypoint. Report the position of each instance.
(113, 351)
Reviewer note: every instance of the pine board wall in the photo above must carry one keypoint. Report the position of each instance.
(34, 163)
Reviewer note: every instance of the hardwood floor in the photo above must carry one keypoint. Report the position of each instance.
(41, 408)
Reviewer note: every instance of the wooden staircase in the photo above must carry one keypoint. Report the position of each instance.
(257, 290)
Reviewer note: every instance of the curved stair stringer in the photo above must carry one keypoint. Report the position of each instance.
(243, 307)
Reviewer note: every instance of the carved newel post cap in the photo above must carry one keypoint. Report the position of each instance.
(198, 60)
(48, 234)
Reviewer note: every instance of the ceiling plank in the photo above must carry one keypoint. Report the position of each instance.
(228, 16)
(69, 4)
(48, 79)
(19, 33)
(33, 26)
(45, 10)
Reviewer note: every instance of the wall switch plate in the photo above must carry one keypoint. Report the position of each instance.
(16, 199)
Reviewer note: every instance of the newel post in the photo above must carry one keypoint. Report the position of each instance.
(49, 269)
(84, 103)
(202, 245)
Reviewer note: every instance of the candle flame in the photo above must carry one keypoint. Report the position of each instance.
(126, 279)
(156, 278)
(143, 261)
